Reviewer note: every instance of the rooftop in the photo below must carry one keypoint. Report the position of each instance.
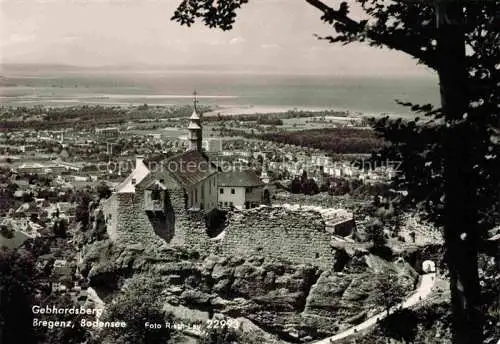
(194, 115)
(137, 175)
(193, 125)
(156, 185)
(190, 168)
(242, 178)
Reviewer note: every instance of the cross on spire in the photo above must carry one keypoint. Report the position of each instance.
(195, 99)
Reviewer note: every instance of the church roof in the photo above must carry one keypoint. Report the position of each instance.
(239, 178)
(190, 168)
(138, 174)
(156, 185)
(193, 125)
(194, 115)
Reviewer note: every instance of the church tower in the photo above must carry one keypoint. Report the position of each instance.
(195, 132)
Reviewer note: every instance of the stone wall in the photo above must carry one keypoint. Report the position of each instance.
(190, 226)
(128, 223)
(322, 199)
(294, 236)
(133, 224)
(298, 237)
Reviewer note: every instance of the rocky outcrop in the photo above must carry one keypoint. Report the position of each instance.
(297, 302)
(348, 297)
(241, 286)
(106, 265)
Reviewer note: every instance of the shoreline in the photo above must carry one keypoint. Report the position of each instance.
(241, 110)
(232, 110)
(225, 110)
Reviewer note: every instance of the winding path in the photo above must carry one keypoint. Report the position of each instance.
(423, 290)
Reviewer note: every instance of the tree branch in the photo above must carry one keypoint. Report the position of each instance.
(337, 15)
(355, 27)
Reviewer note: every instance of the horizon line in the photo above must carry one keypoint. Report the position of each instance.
(194, 68)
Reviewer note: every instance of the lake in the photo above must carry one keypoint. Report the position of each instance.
(238, 92)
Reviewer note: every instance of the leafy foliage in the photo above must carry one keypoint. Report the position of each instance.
(220, 335)
(60, 228)
(490, 278)
(304, 185)
(69, 335)
(226, 335)
(424, 326)
(103, 190)
(138, 305)
(334, 140)
(16, 289)
(82, 213)
(375, 233)
(100, 232)
(390, 290)
(220, 14)
(420, 151)
(269, 121)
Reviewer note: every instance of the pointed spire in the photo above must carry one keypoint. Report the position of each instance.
(194, 127)
(195, 115)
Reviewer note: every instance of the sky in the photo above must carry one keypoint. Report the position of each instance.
(269, 35)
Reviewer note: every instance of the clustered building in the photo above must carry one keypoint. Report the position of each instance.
(240, 189)
(109, 132)
(156, 195)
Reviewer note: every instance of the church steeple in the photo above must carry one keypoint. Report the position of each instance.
(195, 131)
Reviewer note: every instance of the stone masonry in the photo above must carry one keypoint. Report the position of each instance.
(128, 223)
(294, 236)
(298, 237)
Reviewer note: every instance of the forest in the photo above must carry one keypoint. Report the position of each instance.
(332, 140)
(84, 116)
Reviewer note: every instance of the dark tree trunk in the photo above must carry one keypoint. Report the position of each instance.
(460, 218)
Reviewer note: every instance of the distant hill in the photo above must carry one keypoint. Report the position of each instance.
(9, 68)
(43, 68)
(35, 67)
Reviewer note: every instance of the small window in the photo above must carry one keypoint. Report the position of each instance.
(221, 191)
(156, 195)
(231, 204)
(232, 191)
(225, 204)
(248, 190)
